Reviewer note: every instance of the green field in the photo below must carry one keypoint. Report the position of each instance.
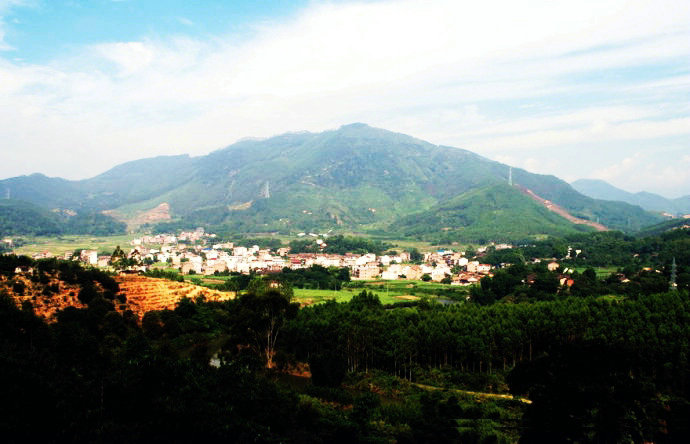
(389, 292)
(58, 245)
(602, 272)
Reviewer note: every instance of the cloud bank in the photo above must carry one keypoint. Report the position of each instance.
(575, 89)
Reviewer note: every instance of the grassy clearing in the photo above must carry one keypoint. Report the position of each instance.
(59, 245)
(309, 296)
(602, 272)
(389, 292)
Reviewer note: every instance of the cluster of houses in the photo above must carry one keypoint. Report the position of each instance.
(197, 252)
(204, 257)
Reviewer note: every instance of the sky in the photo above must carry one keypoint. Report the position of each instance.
(577, 89)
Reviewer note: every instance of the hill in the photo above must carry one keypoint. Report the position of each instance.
(353, 178)
(600, 189)
(51, 286)
(495, 212)
(20, 217)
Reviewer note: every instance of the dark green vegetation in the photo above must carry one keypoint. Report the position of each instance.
(612, 248)
(99, 375)
(19, 217)
(640, 267)
(354, 178)
(597, 369)
(663, 227)
(598, 189)
(340, 245)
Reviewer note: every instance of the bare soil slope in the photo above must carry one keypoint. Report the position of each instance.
(147, 294)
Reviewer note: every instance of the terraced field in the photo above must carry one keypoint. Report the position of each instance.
(147, 294)
(142, 294)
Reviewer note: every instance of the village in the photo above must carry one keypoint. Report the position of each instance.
(200, 253)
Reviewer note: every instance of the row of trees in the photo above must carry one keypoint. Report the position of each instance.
(595, 369)
(472, 338)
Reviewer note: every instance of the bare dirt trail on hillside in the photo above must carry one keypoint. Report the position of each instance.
(560, 210)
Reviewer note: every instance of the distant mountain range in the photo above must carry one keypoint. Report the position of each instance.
(599, 189)
(355, 178)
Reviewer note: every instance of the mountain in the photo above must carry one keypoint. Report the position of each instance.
(599, 189)
(353, 178)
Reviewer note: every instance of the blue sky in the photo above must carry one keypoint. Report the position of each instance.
(597, 89)
(43, 30)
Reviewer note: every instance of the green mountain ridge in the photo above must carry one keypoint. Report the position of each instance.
(353, 178)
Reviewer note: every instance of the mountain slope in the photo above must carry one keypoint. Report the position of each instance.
(600, 189)
(355, 177)
(496, 212)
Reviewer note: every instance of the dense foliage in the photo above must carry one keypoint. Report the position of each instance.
(646, 339)
(98, 375)
(315, 276)
(340, 245)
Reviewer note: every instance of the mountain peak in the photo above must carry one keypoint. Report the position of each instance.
(355, 125)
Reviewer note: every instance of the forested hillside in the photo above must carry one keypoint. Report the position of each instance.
(22, 218)
(355, 177)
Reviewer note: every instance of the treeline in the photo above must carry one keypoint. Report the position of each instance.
(615, 248)
(630, 356)
(534, 282)
(597, 370)
(22, 218)
(472, 338)
(340, 245)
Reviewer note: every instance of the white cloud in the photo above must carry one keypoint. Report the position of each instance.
(495, 77)
(130, 57)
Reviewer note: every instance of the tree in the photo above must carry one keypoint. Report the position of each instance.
(415, 256)
(262, 317)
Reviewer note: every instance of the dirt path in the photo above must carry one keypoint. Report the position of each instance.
(560, 210)
(477, 394)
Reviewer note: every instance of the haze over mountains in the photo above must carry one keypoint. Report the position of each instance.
(353, 178)
(600, 189)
